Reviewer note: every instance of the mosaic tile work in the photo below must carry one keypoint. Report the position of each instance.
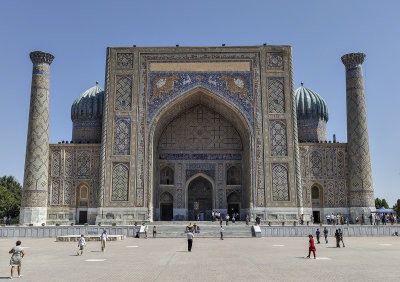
(120, 182)
(83, 166)
(56, 164)
(55, 193)
(210, 157)
(278, 139)
(316, 164)
(122, 136)
(274, 61)
(232, 86)
(125, 60)
(123, 95)
(68, 193)
(276, 95)
(280, 183)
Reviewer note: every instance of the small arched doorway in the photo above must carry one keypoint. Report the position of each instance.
(316, 201)
(82, 203)
(200, 199)
(166, 206)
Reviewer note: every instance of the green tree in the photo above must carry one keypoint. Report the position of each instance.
(10, 197)
(385, 204)
(378, 203)
(396, 207)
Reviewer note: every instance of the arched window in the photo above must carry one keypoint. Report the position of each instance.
(167, 176)
(233, 176)
(315, 193)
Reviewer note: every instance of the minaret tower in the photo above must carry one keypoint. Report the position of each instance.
(34, 192)
(361, 190)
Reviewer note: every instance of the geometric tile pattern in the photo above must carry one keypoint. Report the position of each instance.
(316, 163)
(68, 187)
(278, 138)
(276, 96)
(69, 161)
(330, 163)
(200, 128)
(340, 163)
(120, 182)
(274, 61)
(122, 135)
(125, 60)
(83, 167)
(123, 95)
(56, 164)
(55, 193)
(280, 183)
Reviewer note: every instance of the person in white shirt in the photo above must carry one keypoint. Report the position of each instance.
(103, 240)
(81, 244)
(146, 230)
(190, 237)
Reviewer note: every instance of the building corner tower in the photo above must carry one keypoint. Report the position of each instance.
(35, 186)
(361, 191)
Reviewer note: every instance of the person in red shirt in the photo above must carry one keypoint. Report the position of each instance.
(311, 247)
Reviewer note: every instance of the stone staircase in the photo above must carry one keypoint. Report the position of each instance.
(176, 229)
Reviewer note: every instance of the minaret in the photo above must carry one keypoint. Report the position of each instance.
(34, 192)
(361, 190)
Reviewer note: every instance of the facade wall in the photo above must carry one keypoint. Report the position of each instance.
(71, 167)
(324, 165)
(146, 87)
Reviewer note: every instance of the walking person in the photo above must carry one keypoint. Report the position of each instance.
(81, 245)
(154, 231)
(337, 236)
(227, 219)
(317, 233)
(326, 235)
(17, 253)
(103, 240)
(146, 231)
(311, 247)
(190, 237)
(341, 236)
(220, 220)
(221, 231)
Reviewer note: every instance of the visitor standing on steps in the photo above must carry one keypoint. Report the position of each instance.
(81, 244)
(154, 231)
(311, 247)
(16, 259)
(221, 230)
(103, 240)
(190, 237)
(247, 219)
(227, 219)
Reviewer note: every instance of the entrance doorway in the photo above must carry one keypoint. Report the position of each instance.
(82, 217)
(166, 211)
(316, 216)
(199, 199)
(233, 202)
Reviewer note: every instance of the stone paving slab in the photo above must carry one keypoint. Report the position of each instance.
(249, 259)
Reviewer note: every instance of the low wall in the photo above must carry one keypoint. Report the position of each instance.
(54, 231)
(348, 231)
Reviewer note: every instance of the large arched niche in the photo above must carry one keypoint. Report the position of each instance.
(175, 109)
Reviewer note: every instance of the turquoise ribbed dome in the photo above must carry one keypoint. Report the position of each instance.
(310, 105)
(89, 105)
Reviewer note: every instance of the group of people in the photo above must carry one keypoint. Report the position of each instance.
(7, 220)
(82, 242)
(383, 218)
(311, 244)
(336, 220)
(217, 216)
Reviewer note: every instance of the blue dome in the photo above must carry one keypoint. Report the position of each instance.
(89, 105)
(310, 105)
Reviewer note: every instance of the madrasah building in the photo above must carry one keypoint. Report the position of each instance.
(181, 131)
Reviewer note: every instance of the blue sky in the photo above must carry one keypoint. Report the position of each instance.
(320, 32)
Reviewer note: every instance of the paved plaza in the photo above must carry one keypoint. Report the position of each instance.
(252, 259)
